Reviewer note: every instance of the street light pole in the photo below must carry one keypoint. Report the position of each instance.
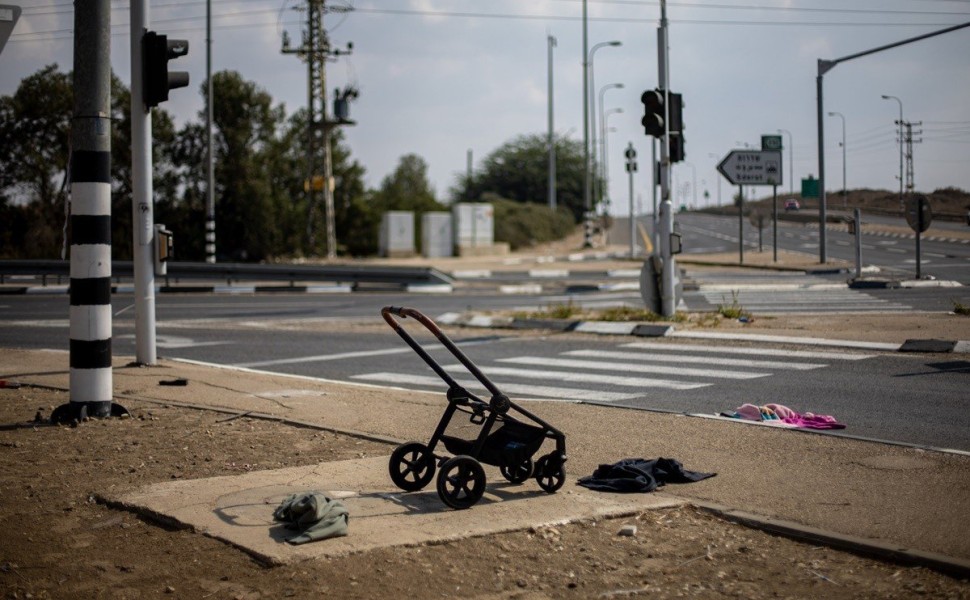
(552, 139)
(791, 163)
(598, 192)
(606, 169)
(718, 178)
(841, 116)
(900, 140)
(587, 109)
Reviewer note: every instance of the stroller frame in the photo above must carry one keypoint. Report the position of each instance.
(510, 446)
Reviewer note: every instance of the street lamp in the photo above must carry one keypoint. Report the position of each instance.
(900, 140)
(791, 162)
(693, 183)
(552, 140)
(597, 191)
(605, 166)
(841, 116)
(587, 87)
(718, 177)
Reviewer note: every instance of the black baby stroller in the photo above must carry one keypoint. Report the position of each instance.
(504, 442)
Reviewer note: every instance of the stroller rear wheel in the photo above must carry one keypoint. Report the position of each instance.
(517, 473)
(550, 474)
(412, 466)
(461, 482)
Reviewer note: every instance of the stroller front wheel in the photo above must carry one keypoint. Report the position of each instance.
(549, 477)
(461, 482)
(412, 466)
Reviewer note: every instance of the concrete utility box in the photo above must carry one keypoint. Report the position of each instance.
(474, 224)
(436, 235)
(396, 239)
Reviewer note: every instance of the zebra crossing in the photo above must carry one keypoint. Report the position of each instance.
(626, 372)
(779, 293)
(823, 298)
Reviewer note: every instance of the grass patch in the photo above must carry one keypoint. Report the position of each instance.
(734, 310)
(960, 308)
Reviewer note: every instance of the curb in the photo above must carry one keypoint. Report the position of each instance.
(867, 547)
(639, 329)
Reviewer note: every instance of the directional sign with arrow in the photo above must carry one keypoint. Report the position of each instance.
(9, 15)
(752, 167)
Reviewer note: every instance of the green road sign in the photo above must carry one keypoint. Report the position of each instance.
(810, 187)
(771, 142)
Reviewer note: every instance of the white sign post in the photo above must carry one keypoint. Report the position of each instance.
(750, 167)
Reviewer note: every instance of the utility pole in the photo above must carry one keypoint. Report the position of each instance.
(316, 50)
(910, 185)
(210, 198)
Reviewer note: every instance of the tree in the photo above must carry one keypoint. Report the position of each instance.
(35, 131)
(518, 171)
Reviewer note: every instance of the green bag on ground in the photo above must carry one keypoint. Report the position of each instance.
(314, 515)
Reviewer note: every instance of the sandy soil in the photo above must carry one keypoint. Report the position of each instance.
(59, 542)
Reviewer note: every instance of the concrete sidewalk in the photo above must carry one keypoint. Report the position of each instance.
(887, 500)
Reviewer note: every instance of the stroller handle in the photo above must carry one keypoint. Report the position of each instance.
(388, 312)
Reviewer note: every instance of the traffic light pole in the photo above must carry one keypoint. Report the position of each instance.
(668, 293)
(142, 209)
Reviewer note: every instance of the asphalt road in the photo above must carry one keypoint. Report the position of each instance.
(915, 399)
(895, 256)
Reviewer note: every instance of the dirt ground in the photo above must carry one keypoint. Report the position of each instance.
(59, 541)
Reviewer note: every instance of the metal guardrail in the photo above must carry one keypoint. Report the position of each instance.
(230, 272)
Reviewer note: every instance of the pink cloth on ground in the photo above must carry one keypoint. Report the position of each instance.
(807, 420)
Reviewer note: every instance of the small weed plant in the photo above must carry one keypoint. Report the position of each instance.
(734, 310)
(960, 308)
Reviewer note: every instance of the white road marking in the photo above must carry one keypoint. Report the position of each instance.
(706, 360)
(629, 367)
(752, 351)
(575, 377)
(539, 391)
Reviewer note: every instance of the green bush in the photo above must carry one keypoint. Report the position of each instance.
(524, 224)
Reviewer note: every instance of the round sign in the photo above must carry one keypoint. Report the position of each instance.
(918, 213)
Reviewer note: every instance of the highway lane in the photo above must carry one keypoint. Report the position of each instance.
(895, 256)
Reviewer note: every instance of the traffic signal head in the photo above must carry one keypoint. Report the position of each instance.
(653, 112)
(677, 152)
(156, 51)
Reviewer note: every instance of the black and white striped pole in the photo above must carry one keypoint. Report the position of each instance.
(90, 311)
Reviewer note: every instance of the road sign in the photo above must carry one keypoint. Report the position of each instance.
(810, 187)
(771, 142)
(918, 213)
(8, 18)
(752, 167)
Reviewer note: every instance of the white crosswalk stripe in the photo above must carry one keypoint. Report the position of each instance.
(769, 301)
(539, 391)
(617, 373)
(755, 351)
(707, 360)
(629, 367)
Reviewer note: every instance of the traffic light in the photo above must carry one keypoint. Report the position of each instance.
(653, 116)
(677, 152)
(156, 51)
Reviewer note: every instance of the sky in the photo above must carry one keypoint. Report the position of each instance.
(442, 78)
